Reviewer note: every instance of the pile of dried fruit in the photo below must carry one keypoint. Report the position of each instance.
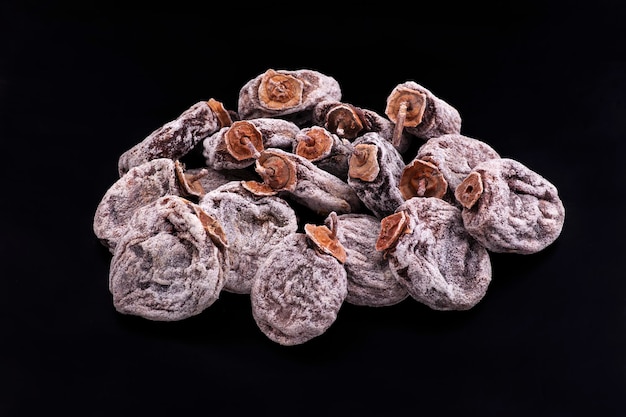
(305, 202)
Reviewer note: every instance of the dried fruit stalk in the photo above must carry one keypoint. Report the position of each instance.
(297, 292)
(324, 149)
(417, 111)
(510, 208)
(176, 138)
(434, 257)
(297, 178)
(170, 264)
(370, 280)
(375, 171)
(253, 225)
(285, 93)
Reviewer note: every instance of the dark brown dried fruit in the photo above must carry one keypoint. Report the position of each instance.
(438, 262)
(455, 155)
(297, 292)
(141, 185)
(175, 139)
(253, 226)
(166, 267)
(518, 210)
(370, 280)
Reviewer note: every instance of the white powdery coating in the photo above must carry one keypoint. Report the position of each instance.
(370, 280)
(439, 263)
(455, 156)
(174, 139)
(297, 292)
(253, 226)
(141, 185)
(439, 117)
(166, 267)
(317, 87)
(519, 211)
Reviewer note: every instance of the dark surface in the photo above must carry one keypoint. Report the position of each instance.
(544, 84)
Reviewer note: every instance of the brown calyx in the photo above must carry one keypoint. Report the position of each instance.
(422, 179)
(469, 191)
(325, 239)
(405, 107)
(314, 143)
(243, 140)
(391, 228)
(279, 91)
(223, 116)
(190, 183)
(212, 226)
(363, 162)
(345, 120)
(276, 170)
(258, 188)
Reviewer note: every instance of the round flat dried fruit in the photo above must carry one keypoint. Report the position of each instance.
(167, 266)
(438, 262)
(297, 292)
(141, 185)
(370, 280)
(253, 224)
(517, 210)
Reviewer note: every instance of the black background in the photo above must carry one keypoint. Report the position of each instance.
(542, 83)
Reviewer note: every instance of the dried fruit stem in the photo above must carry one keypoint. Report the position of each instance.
(401, 117)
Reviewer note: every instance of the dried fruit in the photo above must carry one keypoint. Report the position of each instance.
(305, 202)
(300, 180)
(171, 262)
(455, 155)
(297, 292)
(174, 139)
(253, 226)
(370, 280)
(141, 185)
(438, 262)
(517, 210)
